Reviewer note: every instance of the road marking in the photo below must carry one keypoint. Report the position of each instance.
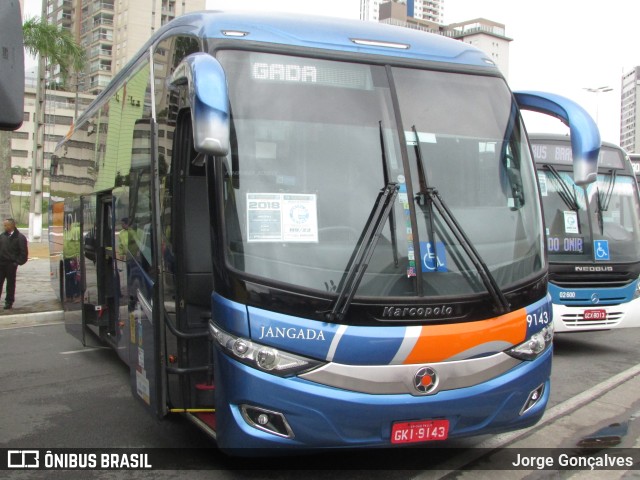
(15, 325)
(84, 350)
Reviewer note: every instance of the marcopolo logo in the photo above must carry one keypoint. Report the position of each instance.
(439, 311)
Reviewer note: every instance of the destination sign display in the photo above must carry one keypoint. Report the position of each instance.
(560, 154)
(298, 70)
(565, 244)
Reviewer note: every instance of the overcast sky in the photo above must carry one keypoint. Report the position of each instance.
(561, 46)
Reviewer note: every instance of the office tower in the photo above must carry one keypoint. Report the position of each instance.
(429, 10)
(629, 110)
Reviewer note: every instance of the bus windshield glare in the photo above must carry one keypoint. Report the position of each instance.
(310, 135)
(610, 213)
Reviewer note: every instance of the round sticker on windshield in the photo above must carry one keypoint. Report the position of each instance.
(299, 214)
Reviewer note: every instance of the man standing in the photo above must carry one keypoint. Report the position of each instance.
(13, 252)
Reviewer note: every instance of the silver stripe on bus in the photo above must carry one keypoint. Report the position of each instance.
(334, 343)
(399, 379)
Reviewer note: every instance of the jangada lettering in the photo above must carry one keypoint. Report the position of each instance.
(291, 333)
(417, 312)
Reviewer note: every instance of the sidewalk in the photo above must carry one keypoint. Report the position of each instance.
(605, 418)
(36, 301)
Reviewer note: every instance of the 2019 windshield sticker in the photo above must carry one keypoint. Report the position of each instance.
(280, 217)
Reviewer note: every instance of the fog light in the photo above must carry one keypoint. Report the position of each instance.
(533, 398)
(266, 420)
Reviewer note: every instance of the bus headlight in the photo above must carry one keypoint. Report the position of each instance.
(636, 294)
(262, 357)
(534, 345)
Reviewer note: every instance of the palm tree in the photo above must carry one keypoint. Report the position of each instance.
(56, 46)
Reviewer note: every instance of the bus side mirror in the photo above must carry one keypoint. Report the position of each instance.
(585, 136)
(209, 98)
(11, 66)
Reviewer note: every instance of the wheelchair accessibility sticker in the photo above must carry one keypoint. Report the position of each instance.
(433, 261)
(601, 249)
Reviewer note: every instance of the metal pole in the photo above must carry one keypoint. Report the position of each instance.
(598, 91)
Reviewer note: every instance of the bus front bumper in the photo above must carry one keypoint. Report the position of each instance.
(311, 415)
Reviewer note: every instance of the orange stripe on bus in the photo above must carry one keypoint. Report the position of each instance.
(440, 342)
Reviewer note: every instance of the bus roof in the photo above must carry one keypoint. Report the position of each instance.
(341, 34)
(328, 34)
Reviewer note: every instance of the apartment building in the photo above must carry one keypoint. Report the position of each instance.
(111, 32)
(487, 35)
(62, 107)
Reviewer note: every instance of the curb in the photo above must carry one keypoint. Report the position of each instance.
(26, 319)
(571, 410)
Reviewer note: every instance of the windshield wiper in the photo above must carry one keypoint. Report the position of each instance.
(361, 255)
(568, 197)
(604, 200)
(428, 197)
(490, 283)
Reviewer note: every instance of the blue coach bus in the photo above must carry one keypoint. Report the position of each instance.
(593, 237)
(308, 232)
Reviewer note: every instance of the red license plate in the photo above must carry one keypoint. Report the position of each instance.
(419, 431)
(595, 314)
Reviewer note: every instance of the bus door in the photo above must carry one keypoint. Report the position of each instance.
(145, 333)
(188, 276)
(101, 286)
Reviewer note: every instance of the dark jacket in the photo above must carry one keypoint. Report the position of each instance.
(13, 248)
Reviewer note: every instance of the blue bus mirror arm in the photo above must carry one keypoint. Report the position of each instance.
(209, 98)
(585, 135)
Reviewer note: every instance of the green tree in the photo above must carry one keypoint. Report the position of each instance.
(53, 45)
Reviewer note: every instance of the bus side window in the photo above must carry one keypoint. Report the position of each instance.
(139, 237)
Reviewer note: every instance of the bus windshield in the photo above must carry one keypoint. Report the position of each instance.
(313, 143)
(595, 223)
